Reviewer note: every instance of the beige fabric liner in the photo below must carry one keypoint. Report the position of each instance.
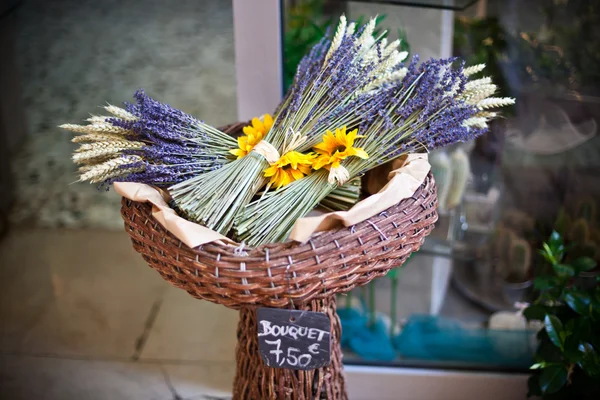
(404, 179)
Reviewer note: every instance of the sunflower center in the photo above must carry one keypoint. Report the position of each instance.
(340, 149)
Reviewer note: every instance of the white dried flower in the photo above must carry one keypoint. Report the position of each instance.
(487, 114)
(476, 95)
(366, 39)
(388, 77)
(402, 56)
(95, 128)
(383, 43)
(122, 145)
(120, 112)
(473, 69)
(110, 169)
(97, 119)
(390, 48)
(495, 102)
(350, 29)
(99, 137)
(471, 85)
(477, 122)
(90, 152)
(337, 38)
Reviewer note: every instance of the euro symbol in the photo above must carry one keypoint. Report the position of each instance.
(314, 348)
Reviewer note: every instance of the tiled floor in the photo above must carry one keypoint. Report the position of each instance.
(83, 317)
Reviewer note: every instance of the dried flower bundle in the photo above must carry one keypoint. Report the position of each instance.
(354, 105)
(434, 105)
(337, 82)
(169, 145)
(158, 145)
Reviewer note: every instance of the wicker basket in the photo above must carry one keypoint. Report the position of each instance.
(303, 276)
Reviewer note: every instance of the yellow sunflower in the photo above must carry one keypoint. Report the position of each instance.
(335, 148)
(291, 166)
(252, 135)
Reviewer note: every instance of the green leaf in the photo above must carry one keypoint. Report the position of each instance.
(554, 329)
(547, 351)
(556, 246)
(584, 264)
(579, 302)
(545, 282)
(581, 329)
(535, 312)
(537, 365)
(589, 361)
(555, 240)
(552, 379)
(547, 253)
(570, 348)
(563, 269)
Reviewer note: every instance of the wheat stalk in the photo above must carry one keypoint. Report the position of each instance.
(95, 128)
(110, 169)
(481, 92)
(350, 29)
(120, 113)
(99, 137)
(337, 39)
(487, 114)
(366, 38)
(97, 119)
(495, 102)
(473, 69)
(472, 85)
(477, 122)
(91, 161)
(121, 145)
(89, 152)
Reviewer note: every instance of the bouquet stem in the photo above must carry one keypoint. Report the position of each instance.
(272, 217)
(213, 199)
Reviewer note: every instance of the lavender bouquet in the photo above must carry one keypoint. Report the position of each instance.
(434, 105)
(148, 142)
(334, 84)
(153, 143)
(354, 105)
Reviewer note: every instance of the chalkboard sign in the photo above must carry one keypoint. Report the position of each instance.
(294, 339)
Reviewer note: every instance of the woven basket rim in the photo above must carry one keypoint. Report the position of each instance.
(280, 274)
(288, 248)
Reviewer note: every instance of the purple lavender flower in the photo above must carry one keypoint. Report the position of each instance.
(178, 146)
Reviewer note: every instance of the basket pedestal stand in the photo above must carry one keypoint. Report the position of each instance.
(335, 261)
(254, 380)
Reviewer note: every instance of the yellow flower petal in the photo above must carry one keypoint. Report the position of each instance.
(258, 125)
(360, 153)
(321, 148)
(296, 174)
(238, 153)
(268, 122)
(249, 130)
(305, 169)
(351, 137)
(270, 171)
(321, 162)
(340, 135)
